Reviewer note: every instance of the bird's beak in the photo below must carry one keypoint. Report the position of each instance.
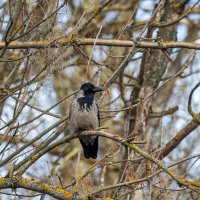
(98, 89)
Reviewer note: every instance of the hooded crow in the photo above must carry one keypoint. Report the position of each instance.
(84, 115)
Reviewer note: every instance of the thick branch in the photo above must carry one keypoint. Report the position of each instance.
(138, 150)
(30, 184)
(101, 42)
(124, 142)
(182, 134)
(16, 182)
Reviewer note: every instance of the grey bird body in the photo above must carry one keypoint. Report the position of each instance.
(84, 115)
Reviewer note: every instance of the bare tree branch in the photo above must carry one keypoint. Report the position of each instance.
(99, 42)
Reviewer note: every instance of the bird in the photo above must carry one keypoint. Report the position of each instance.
(84, 115)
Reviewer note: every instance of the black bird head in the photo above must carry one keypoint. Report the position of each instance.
(90, 89)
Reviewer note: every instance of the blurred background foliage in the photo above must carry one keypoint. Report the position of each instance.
(33, 80)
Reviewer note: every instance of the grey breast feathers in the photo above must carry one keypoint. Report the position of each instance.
(82, 118)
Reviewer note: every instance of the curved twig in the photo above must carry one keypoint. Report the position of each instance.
(190, 100)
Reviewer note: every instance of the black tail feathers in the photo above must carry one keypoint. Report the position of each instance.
(90, 151)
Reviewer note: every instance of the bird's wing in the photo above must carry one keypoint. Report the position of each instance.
(71, 115)
(98, 114)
